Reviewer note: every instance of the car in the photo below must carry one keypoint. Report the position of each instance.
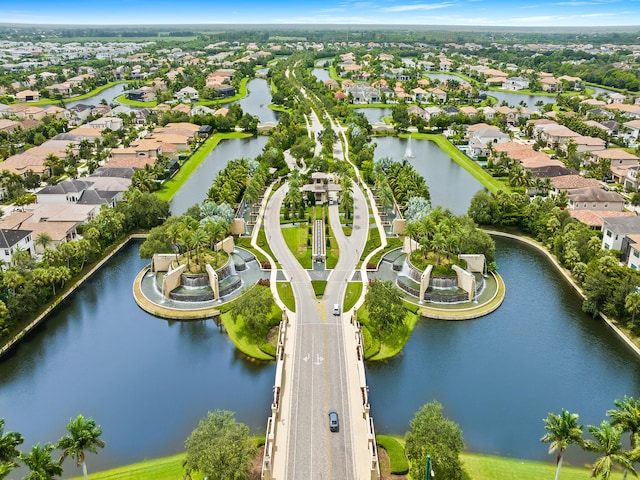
(336, 309)
(334, 425)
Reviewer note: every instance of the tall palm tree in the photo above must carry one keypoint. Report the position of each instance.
(627, 413)
(632, 305)
(9, 445)
(608, 442)
(562, 431)
(84, 434)
(43, 239)
(40, 463)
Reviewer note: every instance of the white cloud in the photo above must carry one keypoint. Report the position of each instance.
(419, 6)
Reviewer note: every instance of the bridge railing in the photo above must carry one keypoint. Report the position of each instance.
(272, 421)
(366, 407)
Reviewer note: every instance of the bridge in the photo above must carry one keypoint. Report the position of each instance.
(320, 363)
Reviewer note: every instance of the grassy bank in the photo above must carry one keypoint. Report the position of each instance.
(92, 93)
(170, 187)
(479, 467)
(492, 184)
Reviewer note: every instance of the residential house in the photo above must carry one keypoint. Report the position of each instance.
(595, 198)
(112, 123)
(589, 144)
(322, 186)
(57, 232)
(64, 89)
(187, 94)
(12, 240)
(550, 84)
(614, 229)
(479, 139)
(67, 191)
(631, 131)
(516, 83)
(79, 113)
(27, 96)
(631, 250)
(142, 94)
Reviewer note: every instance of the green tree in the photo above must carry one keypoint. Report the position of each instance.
(40, 463)
(255, 310)
(562, 430)
(607, 442)
(43, 239)
(84, 435)
(627, 417)
(632, 305)
(220, 447)
(9, 442)
(384, 304)
(433, 434)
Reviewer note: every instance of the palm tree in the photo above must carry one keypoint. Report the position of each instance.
(9, 445)
(632, 305)
(83, 435)
(562, 431)
(39, 461)
(627, 415)
(607, 441)
(43, 239)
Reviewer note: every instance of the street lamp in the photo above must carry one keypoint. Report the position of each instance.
(428, 473)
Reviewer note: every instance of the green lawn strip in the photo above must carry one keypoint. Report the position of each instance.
(135, 103)
(461, 159)
(398, 464)
(488, 467)
(286, 295)
(354, 290)
(240, 341)
(170, 187)
(373, 241)
(84, 96)
(165, 468)
(296, 240)
(318, 287)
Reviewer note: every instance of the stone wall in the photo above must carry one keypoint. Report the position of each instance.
(466, 281)
(171, 280)
(161, 262)
(475, 262)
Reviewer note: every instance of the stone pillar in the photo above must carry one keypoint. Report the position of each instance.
(213, 281)
(424, 282)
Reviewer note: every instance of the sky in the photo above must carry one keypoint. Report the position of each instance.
(514, 13)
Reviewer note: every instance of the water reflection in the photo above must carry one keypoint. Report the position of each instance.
(257, 101)
(500, 375)
(449, 184)
(195, 188)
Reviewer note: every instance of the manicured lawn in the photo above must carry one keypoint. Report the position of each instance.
(166, 468)
(492, 184)
(286, 295)
(319, 287)
(135, 103)
(354, 290)
(487, 467)
(170, 187)
(397, 459)
(296, 239)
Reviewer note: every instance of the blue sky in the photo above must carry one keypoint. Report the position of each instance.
(515, 13)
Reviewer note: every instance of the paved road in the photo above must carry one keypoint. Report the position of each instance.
(320, 375)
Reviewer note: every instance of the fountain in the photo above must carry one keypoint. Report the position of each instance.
(171, 292)
(408, 153)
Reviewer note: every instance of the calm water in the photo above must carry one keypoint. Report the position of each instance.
(195, 189)
(449, 184)
(500, 375)
(146, 381)
(108, 94)
(257, 100)
(321, 74)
